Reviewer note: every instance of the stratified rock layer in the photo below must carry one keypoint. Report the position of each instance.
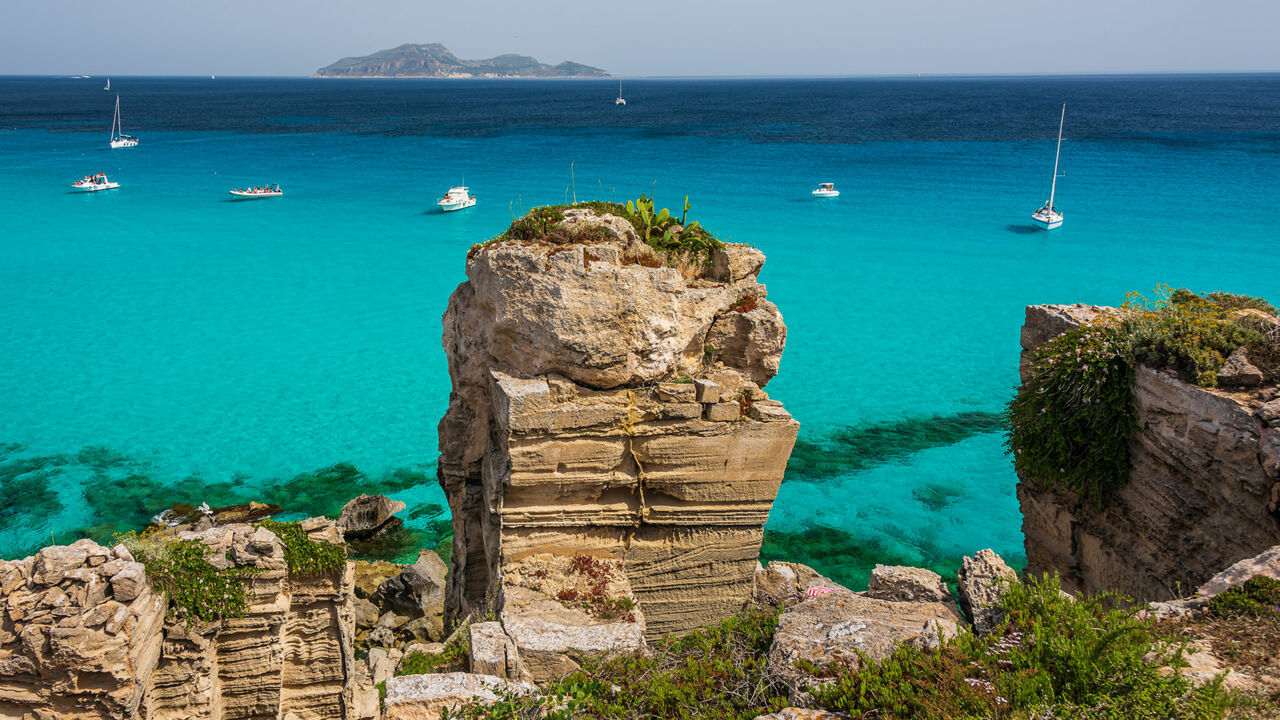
(84, 636)
(564, 434)
(1202, 493)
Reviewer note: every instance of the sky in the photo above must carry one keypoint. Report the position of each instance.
(653, 38)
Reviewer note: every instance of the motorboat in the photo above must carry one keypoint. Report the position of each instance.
(1048, 217)
(620, 100)
(118, 138)
(457, 198)
(826, 190)
(264, 191)
(94, 183)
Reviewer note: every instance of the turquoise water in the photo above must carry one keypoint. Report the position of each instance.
(207, 349)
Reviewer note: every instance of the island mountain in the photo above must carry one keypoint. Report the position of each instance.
(436, 61)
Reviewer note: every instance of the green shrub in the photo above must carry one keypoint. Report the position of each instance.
(1259, 596)
(715, 672)
(197, 590)
(420, 663)
(307, 557)
(657, 228)
(1053, 656)
(1070, 423)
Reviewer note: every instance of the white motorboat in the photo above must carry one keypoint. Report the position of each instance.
(1048, 217)
(118, 138)
(94, 183)
(826, 190)
(620, 100)
(457, 198)
(265, 191)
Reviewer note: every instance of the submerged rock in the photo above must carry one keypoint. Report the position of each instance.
(367, 515)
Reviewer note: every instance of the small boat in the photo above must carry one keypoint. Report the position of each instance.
(108, 87)
(1048, 217)
(826, 190)
(118, 138)
(621, 100)
(457, 198)
(94, 183)
(265, 191)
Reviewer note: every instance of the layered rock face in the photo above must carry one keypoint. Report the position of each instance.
(85, 636)
(567, 434)
(1202, 494)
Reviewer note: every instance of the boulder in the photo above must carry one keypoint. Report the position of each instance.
(367, 515)
(907, 584)
(426, 697)
(370, 574)
(1238, 371)
(981, 581)
(783, 583)
(383, 663)
(492, 652)
(417, 590)
(1266, 563)
(841, 627)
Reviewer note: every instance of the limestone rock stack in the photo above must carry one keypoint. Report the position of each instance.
(606, 408)
(84, 635)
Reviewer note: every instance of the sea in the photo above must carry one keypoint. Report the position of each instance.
(162, 344)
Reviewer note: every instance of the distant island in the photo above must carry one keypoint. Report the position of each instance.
(435, 61)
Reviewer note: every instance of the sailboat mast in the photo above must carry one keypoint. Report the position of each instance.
(115, 118)
(1053, 188)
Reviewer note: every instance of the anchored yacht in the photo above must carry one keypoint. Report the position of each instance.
(457, 198)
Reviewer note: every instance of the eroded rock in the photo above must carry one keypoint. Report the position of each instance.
(982, 579)
(907, 584)
(426, 697)
(366, 515)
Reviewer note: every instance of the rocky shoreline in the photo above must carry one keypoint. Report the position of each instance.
(610, 457)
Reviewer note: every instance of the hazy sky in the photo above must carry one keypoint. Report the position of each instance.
(658, 37)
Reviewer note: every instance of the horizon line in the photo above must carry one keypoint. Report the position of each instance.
(922, 75)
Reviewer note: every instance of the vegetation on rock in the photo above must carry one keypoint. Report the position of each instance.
(674, 241)
(1052, 656)
(197, 590)
(1257, 597)
(1070, 423)
(307, 557)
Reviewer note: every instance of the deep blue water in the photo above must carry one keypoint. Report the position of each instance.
(162, 344)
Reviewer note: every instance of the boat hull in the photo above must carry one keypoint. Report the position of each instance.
(253, 196)
(1046, 223)
(453, 207)
(116, 144)
(826, 193)
(95, 188)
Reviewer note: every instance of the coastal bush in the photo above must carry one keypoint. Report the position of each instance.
(1053, 656)
(716, 672)
(1257, 597)
(304, 556)
(197, 590)
(1070, 423)
(453, 655)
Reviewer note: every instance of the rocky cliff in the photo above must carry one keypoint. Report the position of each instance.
(608, 408)
(84, 635)
(1203, 490)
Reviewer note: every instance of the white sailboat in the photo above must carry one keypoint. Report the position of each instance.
(621, 100)
(108, 87)
(1048, 217)
(118, 138)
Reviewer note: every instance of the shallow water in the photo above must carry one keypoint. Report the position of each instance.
(163, 343)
